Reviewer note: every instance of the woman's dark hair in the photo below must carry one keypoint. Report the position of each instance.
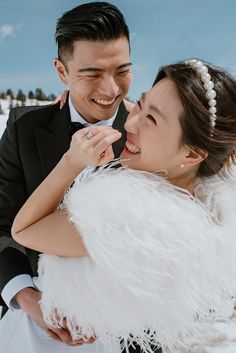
(195, 122)
(94, 21)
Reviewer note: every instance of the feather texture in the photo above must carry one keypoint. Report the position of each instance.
(160, 259)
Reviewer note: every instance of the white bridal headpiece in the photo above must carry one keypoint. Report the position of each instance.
(208, 84)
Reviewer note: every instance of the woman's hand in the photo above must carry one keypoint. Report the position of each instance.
(92, 146)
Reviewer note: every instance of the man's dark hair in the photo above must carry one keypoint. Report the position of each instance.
(94, 21)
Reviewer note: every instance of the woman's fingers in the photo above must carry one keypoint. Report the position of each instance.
(106, 156)
(103, 149)
(93, 145)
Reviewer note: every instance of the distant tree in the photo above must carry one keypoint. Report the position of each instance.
(51, 97)
(39, 95)
(10, 93)
(2, 95)
(21, 96)
(1, 111)
(31, 95)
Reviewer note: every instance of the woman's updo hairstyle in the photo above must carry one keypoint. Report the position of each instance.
(195, 121)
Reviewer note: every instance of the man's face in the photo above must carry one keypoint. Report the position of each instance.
(98, 75)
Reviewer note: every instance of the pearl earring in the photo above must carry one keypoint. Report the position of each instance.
(182, 165)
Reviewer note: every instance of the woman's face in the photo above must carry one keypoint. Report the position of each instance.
(154, 132)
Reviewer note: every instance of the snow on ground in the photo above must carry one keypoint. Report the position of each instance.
(3, 119)
(216, 338)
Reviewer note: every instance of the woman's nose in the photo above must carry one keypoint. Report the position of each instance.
(132, 123)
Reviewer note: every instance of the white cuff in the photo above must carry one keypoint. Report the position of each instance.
(13, 287)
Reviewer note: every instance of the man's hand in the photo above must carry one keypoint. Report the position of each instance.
(62, 98)
(28, 299)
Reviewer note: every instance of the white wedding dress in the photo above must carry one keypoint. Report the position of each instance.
(160, 259)
(20, 334)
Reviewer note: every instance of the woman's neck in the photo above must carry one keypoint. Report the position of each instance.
(186, 182)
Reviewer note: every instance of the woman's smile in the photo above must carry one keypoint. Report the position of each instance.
(130, 147)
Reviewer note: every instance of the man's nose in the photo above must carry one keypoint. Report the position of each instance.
(109, 87)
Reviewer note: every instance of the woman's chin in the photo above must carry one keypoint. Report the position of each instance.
(129, 159)
(124, 162)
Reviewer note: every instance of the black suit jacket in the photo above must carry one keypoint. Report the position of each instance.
(34, 141)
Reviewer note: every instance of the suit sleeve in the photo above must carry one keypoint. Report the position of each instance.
(13, 260)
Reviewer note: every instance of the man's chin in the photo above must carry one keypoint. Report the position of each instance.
(105, 115)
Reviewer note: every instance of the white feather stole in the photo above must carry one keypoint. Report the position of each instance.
(160, 260)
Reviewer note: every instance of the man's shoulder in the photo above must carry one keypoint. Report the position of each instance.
(20, 112)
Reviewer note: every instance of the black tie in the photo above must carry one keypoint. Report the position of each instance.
(75, 126)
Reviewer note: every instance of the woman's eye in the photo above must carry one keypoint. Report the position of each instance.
(138, 104)
(150, 117)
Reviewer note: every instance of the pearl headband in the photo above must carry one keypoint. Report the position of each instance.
(202, 71)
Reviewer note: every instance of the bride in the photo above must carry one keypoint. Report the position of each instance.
(146, 251)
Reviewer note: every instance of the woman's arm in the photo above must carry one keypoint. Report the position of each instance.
(53, 234)
(38, 225)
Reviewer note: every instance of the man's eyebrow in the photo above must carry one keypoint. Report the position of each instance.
(153, 107)
(95, 69)
(124, 66)
(90, 69)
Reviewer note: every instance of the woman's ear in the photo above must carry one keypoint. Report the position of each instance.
(61, 70)
(194, 157)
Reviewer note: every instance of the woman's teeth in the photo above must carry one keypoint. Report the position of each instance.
(104, 102)
(132, 147)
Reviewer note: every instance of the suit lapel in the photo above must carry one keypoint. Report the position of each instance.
(118, 124)
(52, 142)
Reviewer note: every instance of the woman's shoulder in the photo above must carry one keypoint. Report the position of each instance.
(133, 194)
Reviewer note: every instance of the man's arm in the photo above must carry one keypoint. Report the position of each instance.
(13, 261)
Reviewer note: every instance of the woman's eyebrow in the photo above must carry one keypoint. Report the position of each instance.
(154, 108)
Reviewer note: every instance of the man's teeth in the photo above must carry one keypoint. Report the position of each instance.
(132, 148)
(104, 102)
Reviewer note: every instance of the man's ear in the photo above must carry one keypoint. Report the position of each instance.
(195, 157)
(61, 70)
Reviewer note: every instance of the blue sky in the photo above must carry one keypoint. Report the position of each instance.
(162, 31)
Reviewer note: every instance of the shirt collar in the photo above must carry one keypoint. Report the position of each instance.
(76, 117)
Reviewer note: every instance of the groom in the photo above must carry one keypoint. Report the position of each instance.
(94, 62)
